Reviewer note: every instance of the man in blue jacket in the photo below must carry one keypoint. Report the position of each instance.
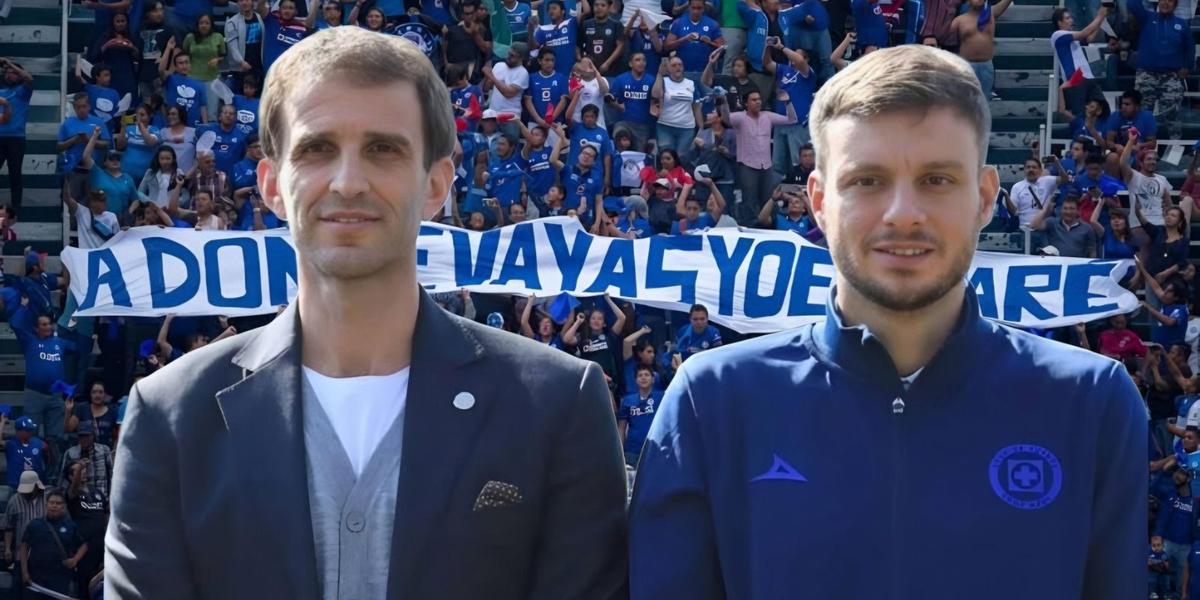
(1166, 51)
(905, 448)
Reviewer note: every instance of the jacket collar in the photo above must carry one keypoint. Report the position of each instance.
(857, 350)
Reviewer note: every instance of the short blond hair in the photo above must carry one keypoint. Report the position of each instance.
(906, 79)
(355, 56)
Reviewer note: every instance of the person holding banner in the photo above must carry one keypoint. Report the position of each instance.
(399, 450)
(1010, 449)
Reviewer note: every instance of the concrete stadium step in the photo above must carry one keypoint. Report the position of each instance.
(1026, 13)
(30, 50)
(1022, 78)
(1025, 61)
(1028, 94)
(29, 34)
(38, 14)
(1024, 29)
(1018, 108)
(1029, 46)
(1002, 140)
(36, 65)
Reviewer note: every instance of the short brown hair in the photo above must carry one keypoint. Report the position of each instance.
(359, 57)
(910, 78)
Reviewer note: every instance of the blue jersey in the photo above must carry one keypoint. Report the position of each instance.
(559, 39)
(504, 179)
(228, 146)
(639, 42)
(24, 457)
(43, 357)
(634, 94)
(1169, 335)
(518, 19)
(639, 227)
(638, 411)
(596, 137)
(18, 97)
(546, 91)
(688, 342)
(247, 114)
(800, 88)
(280, 35)
(104, 101)
(703, 221)
(1174, 520)
(870, 23)
(1144, 121)
(541, 173)
(743, 480)
(74, 126)
(694, 54)
(138, 154)
(801, 226)
(436, 10)
(582, 189)
(189, 94)
(461, 99)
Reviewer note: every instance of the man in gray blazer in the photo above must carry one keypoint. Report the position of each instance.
(366, 444)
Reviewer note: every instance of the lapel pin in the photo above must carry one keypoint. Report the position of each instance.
(464, 401)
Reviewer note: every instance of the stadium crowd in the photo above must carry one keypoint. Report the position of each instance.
(656, 120)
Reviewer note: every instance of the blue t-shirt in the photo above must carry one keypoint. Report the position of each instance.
(688, 342)
(800, 88)
(247, 113)
(582, 189)
(25, 457)
(1079, 128)
(546, 91)
(1084, 182)
(461, 99)
(640, 42)
(541, 173)
(436, 10)
(638, 411)
(43, 357)
(596, 137)
(801, 226)
(639, 226)
(119, 191)
(518, 19)
(504, 179)
(559, 39)
(279, 37)
(18, 97)
(1170, 335)
(189, 94)
(703, 221)
(73, 126)
(138, 154)
(228, 146)
(634, 93)
(390, 8)
(1143, 120)
(253, 32)
(103, 100)
(1114, 248)
(694, 54)
(869, 20)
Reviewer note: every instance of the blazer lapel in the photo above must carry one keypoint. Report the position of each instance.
(438, 436)
(264, 421)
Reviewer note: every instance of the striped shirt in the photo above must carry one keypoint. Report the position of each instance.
(98, 474)
(20, 512)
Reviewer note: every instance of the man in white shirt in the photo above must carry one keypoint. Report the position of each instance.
(1150, 189)
(1032, 193)
(94, 223)
(403, 452)
(508, 81)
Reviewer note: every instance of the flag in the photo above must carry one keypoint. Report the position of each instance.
(1077, 78)
(549, 114)
(474, 112)
(985, 16)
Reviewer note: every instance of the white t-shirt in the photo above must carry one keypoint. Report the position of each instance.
(1192, 338)
(1022, 195)
(361, 409)
(677, 103)
(631, 168)
(518, 77)
(1149, 193)
(88, 236)
(590, 94)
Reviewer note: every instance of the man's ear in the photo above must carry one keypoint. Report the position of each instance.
(440, 180)
(816, 196)
(268, 184)
(989, 188)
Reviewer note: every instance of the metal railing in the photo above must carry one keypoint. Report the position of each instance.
(62, 101)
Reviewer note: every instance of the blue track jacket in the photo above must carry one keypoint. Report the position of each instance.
(796, 465)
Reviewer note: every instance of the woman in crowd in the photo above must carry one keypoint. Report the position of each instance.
(118, 50)
(137, 142)
(679, 108)
(596, 342)
(181, 138)
(545, 332)
(160, 178)
(206, 47)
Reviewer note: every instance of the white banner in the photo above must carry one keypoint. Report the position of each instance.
(750, 280)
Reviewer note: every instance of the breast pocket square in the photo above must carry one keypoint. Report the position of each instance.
(497, 494)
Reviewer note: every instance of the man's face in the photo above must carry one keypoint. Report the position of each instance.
(55, 507)
(638, 64)
(206, 162)
(808, 158)
(1077, 151)
(81, 107)
(587, 157)
(1166, 7)
(245, 6)
(1067, 22)
(753, 103)
(513, 60)
(254, 151)
(332, 12)
(547, 60)
(589, 119)
(699, 321)
(228, 115)
(98, 395)
(45, 327)
(1129, 108)
(1070, 211)
(696, 9)
(555, 11)
(1094, 170)
(183, 64)
(691, 209)
(645, 379)
(600, 8)
(97, 204)
(902, 213)
(1150, 161)
(85, 441)
(795, 206)
(646, 354)
(663, 192)
(1190, 441)
(353, 187)
(1033, 170)
(287, 9)
(468, 12)
(516, 213)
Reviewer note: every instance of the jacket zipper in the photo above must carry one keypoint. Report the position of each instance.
(898, 458)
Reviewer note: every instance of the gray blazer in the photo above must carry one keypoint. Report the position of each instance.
(235, 41)
(210, 491)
